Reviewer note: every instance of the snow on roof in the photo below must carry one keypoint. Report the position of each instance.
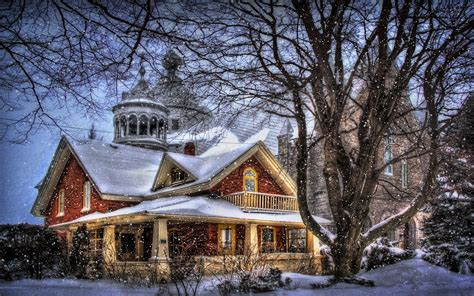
(125, 170)
(119, 169)
(205, 167)
(197, 206)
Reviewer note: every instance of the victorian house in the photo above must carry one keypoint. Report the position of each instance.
(143, 203)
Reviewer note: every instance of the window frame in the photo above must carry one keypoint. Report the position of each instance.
(303, 237)
(220, 247)
(86, 196)
(254, 178)
(60, 205)
(182, 175)
(388, 153)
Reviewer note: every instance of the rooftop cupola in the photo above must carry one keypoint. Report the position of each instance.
(140, 119)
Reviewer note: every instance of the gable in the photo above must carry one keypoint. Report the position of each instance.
(164, 177)
(234, 182)
(71, 182)
(211, 170)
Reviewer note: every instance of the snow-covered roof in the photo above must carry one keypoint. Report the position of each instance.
(125, 172)
(195, 206)
(118, 169)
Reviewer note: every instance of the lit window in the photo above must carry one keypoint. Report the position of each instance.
(86, 202)
(250, 180)
(388, 153)
(404, 174)
(297, 240)
(177, 175)
(61, 203)
(268, 240)
(226, 239)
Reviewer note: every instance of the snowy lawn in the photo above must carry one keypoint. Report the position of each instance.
(409, 277)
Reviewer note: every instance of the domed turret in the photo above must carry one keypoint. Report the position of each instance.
(140, 119)
(185, 111)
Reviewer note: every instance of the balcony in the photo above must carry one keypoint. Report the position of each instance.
(256, 201)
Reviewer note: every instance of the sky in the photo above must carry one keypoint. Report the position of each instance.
(22, 166)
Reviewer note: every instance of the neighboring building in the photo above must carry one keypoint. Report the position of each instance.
(144, 204)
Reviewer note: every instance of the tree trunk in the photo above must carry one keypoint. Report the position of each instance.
(347, 256)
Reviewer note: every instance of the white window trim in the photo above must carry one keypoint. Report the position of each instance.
(60, 209)
(86, 197)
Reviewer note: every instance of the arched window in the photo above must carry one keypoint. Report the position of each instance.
(123, 126)
(250, 180)
(154, 127)
(143, 126)
(132, 125)
(388, 152)
(60, 203)
(161, 129)
(86, 201)
(117, 128)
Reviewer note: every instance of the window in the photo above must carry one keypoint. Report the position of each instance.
(268, 240)
(143, 126)
(177, 175)
(132, 125)
(60, 203)
(154, 127)
(161, 129)
(297, 240)
(95, 242)
(226, 239)
(250, 180)
(117, 128)
(174, 124)
(388, 153)
(404, 173)
(127, 250)
(86, 202)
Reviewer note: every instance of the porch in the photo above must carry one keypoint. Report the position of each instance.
(161, 246)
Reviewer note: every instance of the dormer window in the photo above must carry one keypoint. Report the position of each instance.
(250, 180)
(177, 175)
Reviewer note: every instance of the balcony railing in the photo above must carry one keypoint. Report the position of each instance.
(256, 201)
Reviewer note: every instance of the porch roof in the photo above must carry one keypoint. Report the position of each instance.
(195, 207)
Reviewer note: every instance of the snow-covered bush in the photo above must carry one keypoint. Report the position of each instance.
(79, 257)
(381, 253)
(270, 281)
(449, 234)
(327, 262)
(30, 251)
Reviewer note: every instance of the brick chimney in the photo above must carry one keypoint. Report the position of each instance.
(190, 148)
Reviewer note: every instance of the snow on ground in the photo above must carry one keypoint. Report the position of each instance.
(409, 277)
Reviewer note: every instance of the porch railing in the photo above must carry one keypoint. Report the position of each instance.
(258, 201)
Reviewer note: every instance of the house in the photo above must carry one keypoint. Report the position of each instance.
(144, 204)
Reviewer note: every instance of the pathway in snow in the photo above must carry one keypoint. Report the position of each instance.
(410, 277)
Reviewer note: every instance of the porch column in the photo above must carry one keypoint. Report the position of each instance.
(251, 240)
(109, 253)
(314, 250)
(159, 249)
(69, 236)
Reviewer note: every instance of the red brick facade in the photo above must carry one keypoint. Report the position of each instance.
(72, 181)
(234, 181)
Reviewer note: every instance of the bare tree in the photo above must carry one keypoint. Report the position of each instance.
(345, 71)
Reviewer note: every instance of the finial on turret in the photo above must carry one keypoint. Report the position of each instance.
(142, 66)
(171, 62)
